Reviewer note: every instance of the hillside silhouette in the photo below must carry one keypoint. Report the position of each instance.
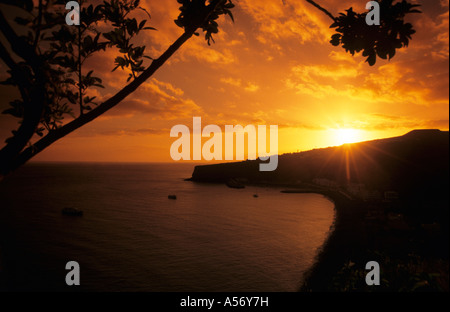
(391, 200)
(414, 166)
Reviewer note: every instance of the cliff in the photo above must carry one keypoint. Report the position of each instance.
(411, 174)
(420, 154)
(414, 165)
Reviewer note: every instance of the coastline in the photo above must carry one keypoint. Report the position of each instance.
(345, 240)
(410, 260)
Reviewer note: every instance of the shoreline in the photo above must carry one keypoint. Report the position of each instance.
(346, 234)
(345, 238)
(410, 259)
(339, 246)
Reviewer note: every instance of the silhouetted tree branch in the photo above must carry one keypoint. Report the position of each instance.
(322, 9)
(203, 18)
(44, 66)
(32, 94)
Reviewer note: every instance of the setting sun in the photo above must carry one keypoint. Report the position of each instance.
(343, 136)
(224, 146)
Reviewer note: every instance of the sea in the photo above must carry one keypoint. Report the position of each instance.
(133, 238)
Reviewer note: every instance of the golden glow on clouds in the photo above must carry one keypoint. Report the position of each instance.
(273, 66)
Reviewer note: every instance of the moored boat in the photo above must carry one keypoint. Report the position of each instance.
(69, 211)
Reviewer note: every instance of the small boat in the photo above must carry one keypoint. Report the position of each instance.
(69, 211)
(233, 183)
(172, 196)
(255, 195)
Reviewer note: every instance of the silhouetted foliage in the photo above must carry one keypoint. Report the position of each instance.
(51, 56)
(45, 58)
(64, 49)
(355, 35)
(189, 16)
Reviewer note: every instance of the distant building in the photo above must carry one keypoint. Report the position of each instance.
(376, 213)
(391, 196)
(359, 190)
(396, 221)
(372, 195)
(325, 182)
(356, 189)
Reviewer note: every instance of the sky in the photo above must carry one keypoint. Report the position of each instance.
(273, 66)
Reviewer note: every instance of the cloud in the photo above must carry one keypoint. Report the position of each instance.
(232, 81)
(159, 99)
(163, 16)
(402, 82)
(341, 56)
(322, 81)
(389, 122)
(249, 87)
(275, 65)
(95, 132)
(294, 20)
(301, 126)
(334, 72)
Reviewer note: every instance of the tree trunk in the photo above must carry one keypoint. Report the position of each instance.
(12, 163)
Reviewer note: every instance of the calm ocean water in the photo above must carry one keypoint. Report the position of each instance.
(133, 238)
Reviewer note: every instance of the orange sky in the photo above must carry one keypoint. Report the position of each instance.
(273, 66)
